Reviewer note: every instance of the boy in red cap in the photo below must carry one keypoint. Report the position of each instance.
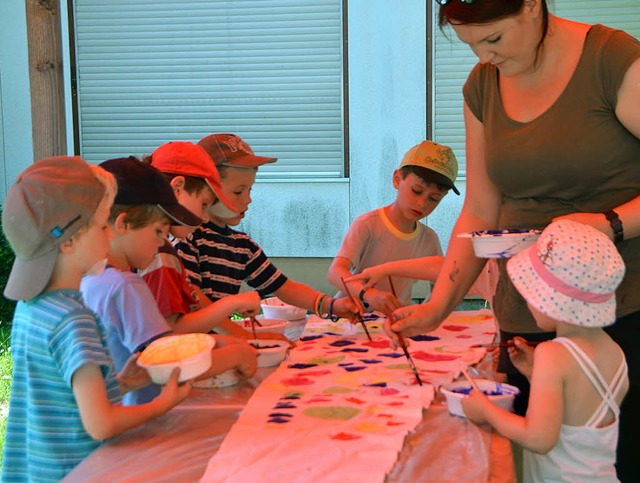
(196, 183)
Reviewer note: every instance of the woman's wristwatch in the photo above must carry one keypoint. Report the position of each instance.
(616, 225)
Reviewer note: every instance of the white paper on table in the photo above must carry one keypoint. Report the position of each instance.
(344, 414)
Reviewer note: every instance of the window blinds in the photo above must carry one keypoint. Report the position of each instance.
(270, 71)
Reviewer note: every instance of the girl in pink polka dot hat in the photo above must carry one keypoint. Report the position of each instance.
(578, 379)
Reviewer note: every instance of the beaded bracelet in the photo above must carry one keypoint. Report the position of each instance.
(318, 304)
(324, 315)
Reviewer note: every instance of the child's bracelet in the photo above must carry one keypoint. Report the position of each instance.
(315, 304)
(318, 307)
(330, 316)
(325, 315)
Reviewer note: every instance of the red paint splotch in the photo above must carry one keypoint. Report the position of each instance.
(425, 356)
(378, 344)
(319, 400)
(388, 391)
(345, 436)
(297, 381)
(455, 328)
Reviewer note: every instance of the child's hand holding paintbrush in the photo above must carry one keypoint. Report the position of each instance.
(521, 355)
(520, 352)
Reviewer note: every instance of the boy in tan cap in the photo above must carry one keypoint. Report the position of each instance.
(394, 232)
(219, 259)
(65, 392)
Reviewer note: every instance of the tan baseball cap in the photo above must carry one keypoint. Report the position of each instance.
(46, 205)
(230, 150)
(438, 159)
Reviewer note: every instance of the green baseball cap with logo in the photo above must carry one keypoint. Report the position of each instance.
(438, 159)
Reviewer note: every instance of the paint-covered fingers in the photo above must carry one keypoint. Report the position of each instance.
(381, 300)
(414, 319)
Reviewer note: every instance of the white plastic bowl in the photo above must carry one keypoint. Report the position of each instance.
(504, 399)
(224, 379)
(190, 352)
(267, 324)
(274, 308)
(270, 352)
(500, 243)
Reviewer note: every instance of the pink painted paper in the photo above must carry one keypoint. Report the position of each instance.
(340, 407)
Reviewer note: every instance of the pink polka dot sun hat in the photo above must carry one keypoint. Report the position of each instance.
(570, 274)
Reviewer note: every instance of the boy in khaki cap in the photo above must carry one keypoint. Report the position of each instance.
(394, 232)
(219, 258)
(65, 392)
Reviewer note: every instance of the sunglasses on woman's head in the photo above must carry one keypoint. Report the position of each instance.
(444, 2)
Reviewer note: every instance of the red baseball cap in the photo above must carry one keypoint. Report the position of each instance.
(230, 150)
(188, 159)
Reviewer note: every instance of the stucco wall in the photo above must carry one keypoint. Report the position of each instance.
(16, 145)
(301, 221)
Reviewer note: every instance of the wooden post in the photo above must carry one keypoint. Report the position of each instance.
(46, 78)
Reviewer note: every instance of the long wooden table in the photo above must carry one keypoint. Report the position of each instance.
(178, 446)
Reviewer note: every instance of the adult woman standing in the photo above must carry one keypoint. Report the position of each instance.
(552, 119)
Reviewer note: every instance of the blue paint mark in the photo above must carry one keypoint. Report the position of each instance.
(421, 338)
(278, 420)
(342, 364)
(370, 361)
(377, 384)
(393, 355)
(332, 333)
(284, 405)
(280, 415)
(293, 396)
(310, 337)
(301, 365)
(342, 343)
(367, 317)
(354, 368)
(355, 349)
